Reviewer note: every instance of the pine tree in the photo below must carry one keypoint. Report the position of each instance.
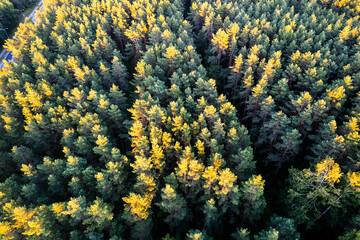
(272, 234)
(253, 198)
(285, 226)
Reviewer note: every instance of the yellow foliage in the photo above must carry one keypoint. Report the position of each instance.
(238, 63)
(177, 146)
(226, 181)
(232, 133)
(166, 34)
(155, 113)
(177, 124)
(200, 146)
(171, 52)
(339, 139)
(195, 236)
(354, 180)
(227, 108)
(353, 124)
(166, 140)
(157, 155)
(73, 160)
(256, 182)
(210, 111)
(305, 98)
(28, 170)
(195, 170)
(104, 104)
(336, 94)
(348, 82)
(6, 119)
(253, 58)
(141, 164)
(73, 206)
(233, 31)
(221, 40)
(146, 182)
(295, 56)
(354, 136)
(268, 101)
(101, 141)
(58, 208)
(96, 210)
(140, 69)
(202, 101)
(34, 227)
(210, 175)
(138, 205)
(38, 118)
(5, 228)
(21, 217)
(169, 191)
(329, 170)
(248, 81)
(217, 160)
(258, 89)
(333, 126)
(345, 33)
(45, 88)
(99, 177)
(189, 168)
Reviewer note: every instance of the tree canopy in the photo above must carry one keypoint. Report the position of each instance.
(169, 119)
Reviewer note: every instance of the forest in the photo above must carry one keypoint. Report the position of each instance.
(181, 119)
(10, 13)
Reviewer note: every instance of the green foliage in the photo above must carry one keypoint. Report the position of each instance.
(134, 119)
(353, 234)
(272, 234)
(285, 226)
(241, 234)
(253, 197)
(197, 235)
(313, 193)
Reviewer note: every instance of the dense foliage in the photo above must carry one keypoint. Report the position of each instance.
(158, 119)
(10, 13)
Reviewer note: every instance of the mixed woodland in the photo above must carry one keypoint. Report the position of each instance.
(171, 119)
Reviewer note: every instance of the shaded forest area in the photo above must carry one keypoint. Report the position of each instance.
(170, 119)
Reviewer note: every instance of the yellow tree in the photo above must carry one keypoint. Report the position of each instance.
(314, 192)
(221, 42)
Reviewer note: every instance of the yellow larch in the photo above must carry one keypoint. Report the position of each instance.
(332, 125)
(101, 141)
(28, 170)
(353, 124)
(200, 146)
(336, 94)
(35, 227)
(221, 40)
(138, 205)
(58, 208)
(171, 52)
(354, 180)
(210, 176)
(5, 228)
(238, 63)
(329, 170)
(169, 191)
(226, 181)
